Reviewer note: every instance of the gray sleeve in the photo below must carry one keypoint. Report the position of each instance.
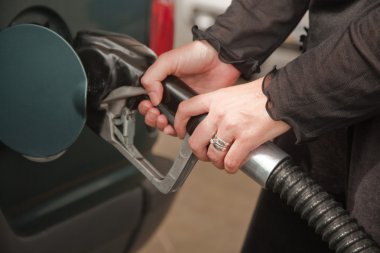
(333, 85)
(250, 30)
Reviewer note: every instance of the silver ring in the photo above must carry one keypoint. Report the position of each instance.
(219, 144)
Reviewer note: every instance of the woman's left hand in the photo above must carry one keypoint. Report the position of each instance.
(236, 115)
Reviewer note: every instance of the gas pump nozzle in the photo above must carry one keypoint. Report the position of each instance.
(114, 64)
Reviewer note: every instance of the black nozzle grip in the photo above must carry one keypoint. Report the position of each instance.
(176, 91)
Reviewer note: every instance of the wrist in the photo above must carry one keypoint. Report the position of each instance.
(205, 48)
(279, 126)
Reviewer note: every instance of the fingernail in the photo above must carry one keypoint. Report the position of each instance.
(228, 171)
(145, 106)
(166, 131)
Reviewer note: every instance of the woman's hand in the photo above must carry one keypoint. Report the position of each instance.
(197, 64)
(236, 115)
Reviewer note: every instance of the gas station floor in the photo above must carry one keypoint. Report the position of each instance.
(211, 212)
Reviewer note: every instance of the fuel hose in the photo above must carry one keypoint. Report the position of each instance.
(319, 209)
(274, 170)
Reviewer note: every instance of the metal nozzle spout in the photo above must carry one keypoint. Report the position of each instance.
(262, 162)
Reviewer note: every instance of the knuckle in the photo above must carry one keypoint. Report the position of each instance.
(231, 165)
(218, 113)
(230, 124)
(211, 155)
(193, 145)
(181, 107)
(197, 150)
(232, 118)
(146, 80)
(249, 139)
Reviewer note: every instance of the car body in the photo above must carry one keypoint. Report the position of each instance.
(91, 199)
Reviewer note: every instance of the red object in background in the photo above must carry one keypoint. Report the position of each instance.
(161, 26)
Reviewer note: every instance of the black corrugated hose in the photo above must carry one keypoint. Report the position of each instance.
(322, 212)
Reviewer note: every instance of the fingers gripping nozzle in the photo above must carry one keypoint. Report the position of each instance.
(114, 64)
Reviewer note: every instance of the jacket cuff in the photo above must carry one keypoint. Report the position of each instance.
(247, 67)
(275, 111)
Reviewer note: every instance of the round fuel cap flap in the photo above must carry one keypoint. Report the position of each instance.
(42, 91)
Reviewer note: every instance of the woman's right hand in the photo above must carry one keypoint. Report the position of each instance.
(197, 64)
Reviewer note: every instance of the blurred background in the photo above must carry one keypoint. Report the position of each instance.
(51, 207)
(212, 211)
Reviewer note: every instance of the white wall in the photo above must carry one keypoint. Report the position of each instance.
(191, 12)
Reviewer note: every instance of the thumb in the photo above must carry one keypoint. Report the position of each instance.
(155, 92)
(153, 88)
(153, 77)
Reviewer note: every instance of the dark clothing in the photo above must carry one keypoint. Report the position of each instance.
(276, 228)
(330, 95)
